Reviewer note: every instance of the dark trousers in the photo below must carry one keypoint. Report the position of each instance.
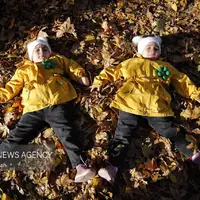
(126, 128)
(59, 117)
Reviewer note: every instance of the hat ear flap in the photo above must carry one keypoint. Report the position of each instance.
(158, 39)
(136, 40)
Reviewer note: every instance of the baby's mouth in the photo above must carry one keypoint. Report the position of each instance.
(42, 57)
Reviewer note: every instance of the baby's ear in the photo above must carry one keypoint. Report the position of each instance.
(158, 39)
(136, 39)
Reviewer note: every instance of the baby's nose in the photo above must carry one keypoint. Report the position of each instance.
(41, 51)
(152, 50)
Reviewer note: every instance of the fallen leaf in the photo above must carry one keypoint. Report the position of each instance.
(172, 178)
(5, 197)
(197, 59)
(89, 38)
(64, 180)
(174, 7)
(64, 27)
(191, 112)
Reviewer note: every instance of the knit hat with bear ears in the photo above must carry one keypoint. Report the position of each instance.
(143, 42)
(31, 46)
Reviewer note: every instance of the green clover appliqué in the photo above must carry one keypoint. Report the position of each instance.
(48, 64)
(163, 72)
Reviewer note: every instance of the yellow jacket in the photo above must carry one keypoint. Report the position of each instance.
(143, 91)
(42, 87)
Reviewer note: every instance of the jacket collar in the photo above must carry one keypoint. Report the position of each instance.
(140, 56)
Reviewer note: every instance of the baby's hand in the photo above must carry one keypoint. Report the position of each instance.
(84, 81)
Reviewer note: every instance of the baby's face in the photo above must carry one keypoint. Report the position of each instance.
(151, 51)
(40, 53)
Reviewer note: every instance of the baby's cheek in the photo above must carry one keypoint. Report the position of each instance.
(144, 54)
(48, 55)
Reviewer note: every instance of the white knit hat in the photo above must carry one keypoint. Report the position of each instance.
(31, 46)
(143, 42)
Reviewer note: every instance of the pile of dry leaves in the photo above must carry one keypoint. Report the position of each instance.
(97, 34)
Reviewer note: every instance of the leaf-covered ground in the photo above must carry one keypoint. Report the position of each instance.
(97, 34)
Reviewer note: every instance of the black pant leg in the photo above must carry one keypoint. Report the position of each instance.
(165, 127)
(126, 128)
(25, 131)
(60, 118)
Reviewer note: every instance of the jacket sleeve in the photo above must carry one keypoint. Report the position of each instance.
(73, 69)
(183, 85)
(76, 71)
(109, 74)
(12, 88)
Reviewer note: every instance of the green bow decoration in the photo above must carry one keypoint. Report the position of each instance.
(163, 72)
(48, 64)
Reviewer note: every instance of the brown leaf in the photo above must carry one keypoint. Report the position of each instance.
(12, 23)
(191, 112)
(151, 164)
(64, 180)
(59, 145)
(64, 27)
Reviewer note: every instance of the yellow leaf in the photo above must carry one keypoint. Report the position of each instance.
(5, 197)
(197, 59)
(48, 133)
(146, 173)
(53, 194)
(89, 38)
(174, 7)
(190, 112)
(120, 4)
(154, 177)
(12, 56)
(198, 6)
(102, 116)
(8, 175)
(172, 178)
(131, 16)
(97, 182)
(98, 109)
(10, 109)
